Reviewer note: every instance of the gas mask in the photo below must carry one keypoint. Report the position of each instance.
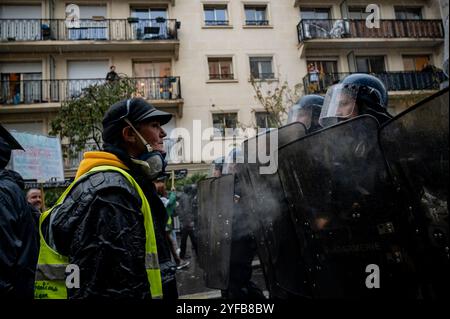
(152, 163)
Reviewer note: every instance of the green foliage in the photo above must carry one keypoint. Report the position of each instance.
(79, 119)
(276, 98)
(52, 195)
(193, 179)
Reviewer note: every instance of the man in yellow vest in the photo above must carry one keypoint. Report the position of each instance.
(105, 236)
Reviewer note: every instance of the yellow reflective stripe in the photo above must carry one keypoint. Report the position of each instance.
(151, 261)
(51, 272)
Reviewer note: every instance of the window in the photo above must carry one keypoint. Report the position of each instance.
(261, 68)
(220, 68)
(153, 79)
(216, 15)
(370, 64)
(265, 120)
(20, 82)
(256, 15)
(315, 13)
(89, 29)
(224, 124)
(324, 67)
(149, 13)
(402, 13)
(415, 62)
(315, 22)
(152, 23)
(357, 13)
(321, 75)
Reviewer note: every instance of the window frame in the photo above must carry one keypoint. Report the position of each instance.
(414, 57)
(220, 79)
(259, 78)
(369, 57)
(256, 22)
(223, 130)
(215, 6)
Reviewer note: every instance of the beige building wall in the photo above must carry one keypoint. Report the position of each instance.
(197, 42)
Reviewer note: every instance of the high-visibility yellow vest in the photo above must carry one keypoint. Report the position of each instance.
(50, 281)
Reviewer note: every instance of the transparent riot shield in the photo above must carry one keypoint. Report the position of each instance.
(415, 144)
(215, 227)
(264, 201)
(345, 212)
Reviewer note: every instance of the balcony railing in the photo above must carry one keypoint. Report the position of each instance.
(52, 91)
(394, 81)
(216, 22)
(174, 148)
(256, 22)
(336, 29)
(88, 29)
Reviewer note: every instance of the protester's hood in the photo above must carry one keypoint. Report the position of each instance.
(94, 159)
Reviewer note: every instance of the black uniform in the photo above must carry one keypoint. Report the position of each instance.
(19, 246)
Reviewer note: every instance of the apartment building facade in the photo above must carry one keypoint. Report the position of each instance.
(196, 58)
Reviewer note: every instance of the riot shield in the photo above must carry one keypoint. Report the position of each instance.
(344, 209)
(215, 227)
(264, 201)
(205, 206)
(415, 144)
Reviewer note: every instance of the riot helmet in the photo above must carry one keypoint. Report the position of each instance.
(307, 111)
(355, 95)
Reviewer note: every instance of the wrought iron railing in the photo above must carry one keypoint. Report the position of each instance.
(394, 81)
(347, 28)
(216, 22)
(88, 29)
(51, 91)
(257, 22)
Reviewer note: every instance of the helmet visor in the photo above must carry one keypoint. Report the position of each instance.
(339, 103)
(302, 115)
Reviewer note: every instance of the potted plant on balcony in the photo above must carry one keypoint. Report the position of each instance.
(133, 20)
(160, 20)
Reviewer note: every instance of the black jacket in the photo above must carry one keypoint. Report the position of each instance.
(101, 229)
(18, 241)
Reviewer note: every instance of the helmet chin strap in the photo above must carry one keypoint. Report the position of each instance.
(147, 145)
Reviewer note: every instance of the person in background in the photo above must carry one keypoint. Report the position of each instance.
(18, 247)
(112, 76)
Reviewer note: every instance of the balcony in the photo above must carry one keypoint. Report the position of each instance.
(161, 91)
(350, 34)
(114, 34)
(394, 81)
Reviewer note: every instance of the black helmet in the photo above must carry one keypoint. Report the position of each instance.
(355, 95)
(7, 144)
(371, 88)
(307, 111)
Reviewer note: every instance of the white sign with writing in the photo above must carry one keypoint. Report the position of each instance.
(42, 159)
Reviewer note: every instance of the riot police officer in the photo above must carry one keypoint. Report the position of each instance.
(355, 95)
(307, 111)
(243, 246)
